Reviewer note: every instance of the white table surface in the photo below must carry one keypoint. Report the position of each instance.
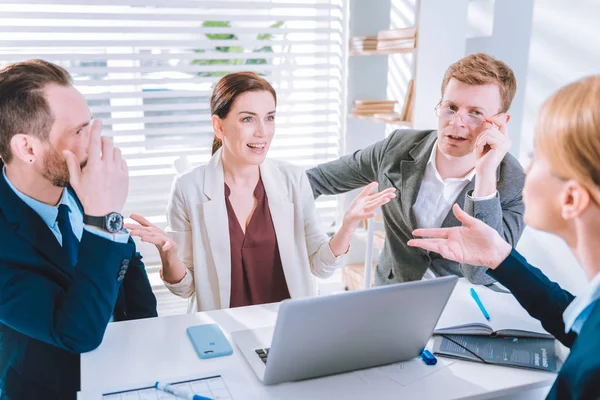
(135, 354)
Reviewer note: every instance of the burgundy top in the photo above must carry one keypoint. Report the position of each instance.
(256, 271)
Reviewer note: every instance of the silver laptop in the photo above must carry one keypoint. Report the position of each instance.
(347, 331)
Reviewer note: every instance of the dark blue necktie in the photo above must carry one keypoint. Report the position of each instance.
(69, 242)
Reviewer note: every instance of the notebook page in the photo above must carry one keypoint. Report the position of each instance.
(462, 311)
(506, 313)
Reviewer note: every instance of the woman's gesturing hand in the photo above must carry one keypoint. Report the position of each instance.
(472, 243)
(364, 205)
(150, 233)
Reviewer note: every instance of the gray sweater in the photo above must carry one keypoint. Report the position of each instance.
(399, 161)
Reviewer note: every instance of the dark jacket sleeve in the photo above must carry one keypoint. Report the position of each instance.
(543, 299)
(75, 318)
(139, 300)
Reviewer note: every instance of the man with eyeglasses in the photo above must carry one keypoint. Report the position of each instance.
(464, 161)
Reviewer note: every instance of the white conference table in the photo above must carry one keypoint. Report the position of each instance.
(135, 354)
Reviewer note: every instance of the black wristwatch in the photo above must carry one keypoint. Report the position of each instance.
(111, 223)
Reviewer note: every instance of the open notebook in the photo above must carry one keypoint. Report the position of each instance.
(509, 351)
(462, 316)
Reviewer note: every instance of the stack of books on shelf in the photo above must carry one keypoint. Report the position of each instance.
(385, 110)
(366, 108)
(396, 39)
(363, 43)
(387, 41)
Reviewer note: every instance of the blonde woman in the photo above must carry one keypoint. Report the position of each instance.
(243, 229)
(561, 196)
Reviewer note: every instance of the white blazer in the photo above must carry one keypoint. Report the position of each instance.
(197, 222)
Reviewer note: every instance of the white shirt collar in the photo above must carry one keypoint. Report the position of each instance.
(432, 164)
(580, 303)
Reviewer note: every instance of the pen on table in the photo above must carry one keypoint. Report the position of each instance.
(182, 394)
(480, 304)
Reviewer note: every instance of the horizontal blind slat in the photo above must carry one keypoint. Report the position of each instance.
(132, 56)
(317, 96)
(193, 130)
(154, 43)
(161, 30)
(10, 15)
(323, 5)
(188, 93)
(199, 68)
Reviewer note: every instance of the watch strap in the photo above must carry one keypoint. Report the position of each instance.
(99, 222)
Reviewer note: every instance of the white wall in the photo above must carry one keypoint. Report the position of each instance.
(564, 47)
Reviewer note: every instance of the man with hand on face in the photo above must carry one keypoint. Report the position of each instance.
(66, 266)
(464, 161)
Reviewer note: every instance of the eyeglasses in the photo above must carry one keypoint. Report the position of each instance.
(473, 119)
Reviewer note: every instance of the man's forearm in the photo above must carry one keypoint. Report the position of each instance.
(348, 172)
(335, 177)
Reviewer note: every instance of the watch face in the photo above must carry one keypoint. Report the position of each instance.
(114, 222)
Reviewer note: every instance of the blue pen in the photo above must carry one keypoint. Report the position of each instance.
(182, 394)
(480, 304)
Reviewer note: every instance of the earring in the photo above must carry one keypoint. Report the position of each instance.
(31, 160)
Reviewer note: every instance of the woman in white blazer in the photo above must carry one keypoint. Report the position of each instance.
(244, 229)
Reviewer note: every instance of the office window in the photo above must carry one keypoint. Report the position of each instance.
(147, 68)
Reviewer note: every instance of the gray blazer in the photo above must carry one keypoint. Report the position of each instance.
(399, 161)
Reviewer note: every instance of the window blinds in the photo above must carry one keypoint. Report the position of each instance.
(147, 68)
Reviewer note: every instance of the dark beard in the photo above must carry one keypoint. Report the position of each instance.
(55, 168)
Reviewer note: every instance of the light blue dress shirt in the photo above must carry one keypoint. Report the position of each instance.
(580, 308)
(49, 213)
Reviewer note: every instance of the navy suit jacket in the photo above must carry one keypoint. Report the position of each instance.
(579, 378)
(50, 312)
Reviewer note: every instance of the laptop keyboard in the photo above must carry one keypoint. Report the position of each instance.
(263, 353)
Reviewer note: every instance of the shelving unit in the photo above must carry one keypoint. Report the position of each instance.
(387, 42)
(382, 120)
(391, 41)
(382, 52)
(405, 119)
